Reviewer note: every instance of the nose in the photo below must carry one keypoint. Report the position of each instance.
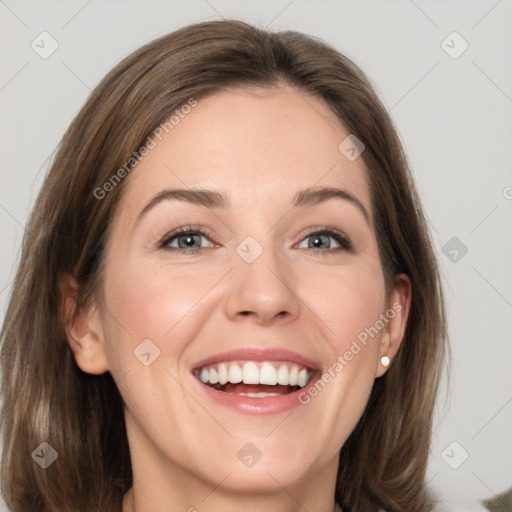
(262, 290)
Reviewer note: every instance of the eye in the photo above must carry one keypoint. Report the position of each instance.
(321, 239)
(189, 240)
(186, 239)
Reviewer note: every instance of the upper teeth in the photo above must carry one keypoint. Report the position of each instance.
(252, 372)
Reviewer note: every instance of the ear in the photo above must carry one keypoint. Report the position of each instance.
(396, 316)
(83, 330)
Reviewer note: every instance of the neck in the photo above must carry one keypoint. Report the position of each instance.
(168, 487)
(129, 505)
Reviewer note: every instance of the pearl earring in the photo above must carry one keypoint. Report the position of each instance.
(384, 360)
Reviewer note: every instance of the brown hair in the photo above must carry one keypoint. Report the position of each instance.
(46, 397)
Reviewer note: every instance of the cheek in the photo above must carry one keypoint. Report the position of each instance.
(152, 315)
(153, 302)
(348, 300)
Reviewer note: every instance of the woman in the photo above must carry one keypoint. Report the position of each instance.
(290, 359)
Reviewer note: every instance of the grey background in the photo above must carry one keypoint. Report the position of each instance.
(453, 116)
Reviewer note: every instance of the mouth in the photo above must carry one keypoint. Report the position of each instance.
(255, 379)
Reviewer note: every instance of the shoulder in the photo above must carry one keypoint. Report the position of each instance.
(459, 507)
(452, 507)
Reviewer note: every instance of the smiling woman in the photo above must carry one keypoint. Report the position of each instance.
(251, 318)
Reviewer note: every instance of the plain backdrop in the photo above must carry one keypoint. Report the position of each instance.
(444, 71)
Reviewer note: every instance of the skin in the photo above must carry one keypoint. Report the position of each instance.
(260, 148)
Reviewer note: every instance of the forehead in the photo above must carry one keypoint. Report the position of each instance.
(256, 145)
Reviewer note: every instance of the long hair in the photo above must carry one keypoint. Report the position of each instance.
(47, 398)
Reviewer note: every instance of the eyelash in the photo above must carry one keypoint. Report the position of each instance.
(339, 236)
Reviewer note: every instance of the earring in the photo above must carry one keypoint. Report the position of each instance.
(384, 360)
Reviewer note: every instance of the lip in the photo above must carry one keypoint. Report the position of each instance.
(258, 406)
(253, 405)
(255, 354)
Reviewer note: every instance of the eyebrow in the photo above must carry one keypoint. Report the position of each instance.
(214, 199)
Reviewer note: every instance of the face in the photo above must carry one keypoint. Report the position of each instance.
(265, 283)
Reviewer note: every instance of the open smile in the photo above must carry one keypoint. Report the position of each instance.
(255, 385)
